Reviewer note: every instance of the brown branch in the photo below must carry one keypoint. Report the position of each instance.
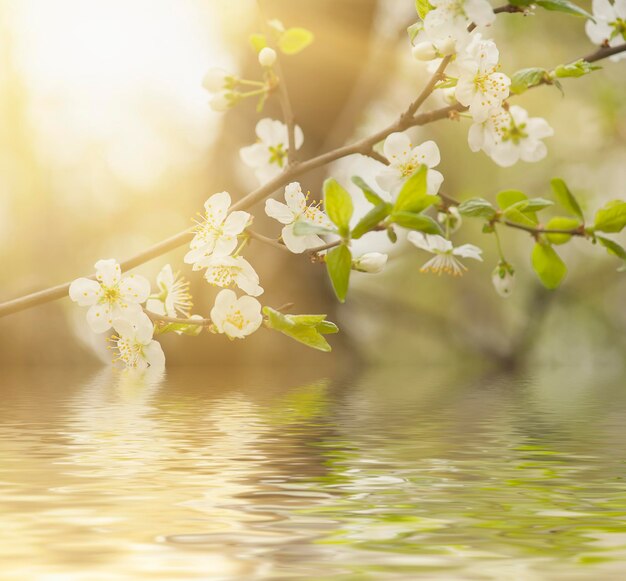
(363, 146)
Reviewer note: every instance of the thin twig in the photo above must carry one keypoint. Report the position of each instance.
(266, 240)
(164, 319)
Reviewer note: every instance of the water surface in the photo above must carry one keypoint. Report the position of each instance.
(271, 474)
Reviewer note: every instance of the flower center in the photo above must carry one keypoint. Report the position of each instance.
(514, 133)
(409, 168)
(130, 352)
(277, 154)
(236, 319)
(111, 294)
(619, 28)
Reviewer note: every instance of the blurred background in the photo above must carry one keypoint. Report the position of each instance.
(108, 145)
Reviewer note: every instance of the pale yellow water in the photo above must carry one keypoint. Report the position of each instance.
(271, 474)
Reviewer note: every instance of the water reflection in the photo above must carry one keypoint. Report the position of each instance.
(259, 474)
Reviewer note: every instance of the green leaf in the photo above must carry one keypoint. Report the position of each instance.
(414, 30)
(414, 221)
(374, 217)
(307, 329)
(507, 198)
(563, 6)
(566, 198)
(526, 78)
(615, 249)
(423, 7)
(303, 227)
(477, 208)
(612, 217)
(339, 267)
(536, 204)
(561, 223)
(294, 40)
(413, 196)
(576, 69)
(549, 267)
(371, 196)
(258, 41)
(514, 215)
(338, 205)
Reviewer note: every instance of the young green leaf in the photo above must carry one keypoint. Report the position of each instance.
(374, 217)
(307, 329)
(507, 198)
(611, 218)
(258, 42)
(576, 69)
(338, 205)
(477, 208)
(548, 265)
(524, 79)
(423, 7)
(563, 6)
(294, 40)
(414, 221)
(536, 204)
(339, 267)
(370, 195)
(304, 228)
(615, 249)
(561, 223)
(566, 198)
(414, 30)
(413, 196)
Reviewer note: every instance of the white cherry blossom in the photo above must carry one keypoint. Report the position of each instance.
(135, 345)
(225, 271)
(173, 296)
(448, 20)
(510, 135)
(111, 296)
(405, 160)
(236, 317)
(268, 157)
(445, 259)
(503, 279)
(218, 230)
(480, 86)
(609, 26)
(296, 209)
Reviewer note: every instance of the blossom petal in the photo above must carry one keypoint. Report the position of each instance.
(216, 208)
(397, 148)
(153, 354)
(236, 223)
(99, 318)
(134, 288)
(480, 12)
(468, 251)
(298, 244)
(85, 291)
(108, 272)
(434, 179)
(255, 155)
(279, 211)
(295, 199)
(427, 153)
(156, 306)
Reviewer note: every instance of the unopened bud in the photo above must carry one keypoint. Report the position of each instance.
(424, 51)
(221, 102)
(372, 262)
(267, 57)
(503, 279)
(215, 79)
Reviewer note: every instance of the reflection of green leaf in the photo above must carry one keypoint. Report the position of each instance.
(339, 267)
(307, 329)
(299, 405)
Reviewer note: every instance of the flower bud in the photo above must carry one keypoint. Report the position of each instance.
(215, 79)
(424, 51)
(446, 47)
(372, 262)
(452, 217)
(267, 56)
(221, 102)
(503, 279)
